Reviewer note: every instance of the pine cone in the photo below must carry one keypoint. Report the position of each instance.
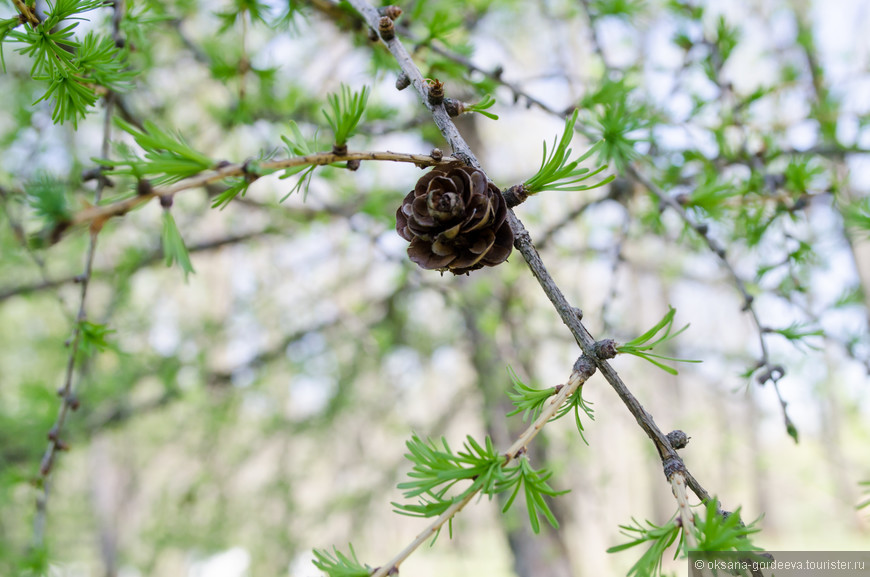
(455, 220)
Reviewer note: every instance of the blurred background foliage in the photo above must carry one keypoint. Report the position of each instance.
(228, 425)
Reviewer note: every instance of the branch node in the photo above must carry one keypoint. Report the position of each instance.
(673, 465)
(454, 107)
(515, 195)
(584, 367)
(250, 175)
(402, 81)
(73, 402)
(436, 154)
(605, 349)
(386, 28)
(435, 94)
(391, 12)
(678, 439)
(143, 187)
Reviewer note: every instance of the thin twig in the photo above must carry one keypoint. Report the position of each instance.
(153, 257)
(21, 237)
(27, 13)
(771, 372)
(678, 486)
(97, 215)
(67, 390)
(583, 370)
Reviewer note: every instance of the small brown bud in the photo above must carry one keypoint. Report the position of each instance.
(515, 195)
(143, 187)
(606, 348)
(73, 402)
(436, 92)
(391, 12)
(250, 174)
(339, 150)
(386, 28)
(52, 433)
(166, 201)
(584, 367)
(402, 81)
(454, 107)
(45, 465)
(436, 154)
(353, 165)
(678, 439)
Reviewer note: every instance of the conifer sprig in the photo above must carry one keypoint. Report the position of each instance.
(298, 145)
(347, 109)
(437, 469)
(531, 401)
(481, 107)
(174, 249)
(715, 531)
(72, 69)
(339, 564)
(558, 171)
(168, 157)
(642, 345)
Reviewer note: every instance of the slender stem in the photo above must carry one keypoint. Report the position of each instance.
(391, 568)
(678, 486)
(576, 380)
(97, 215)
(244, 63)
(67, 390)
(154, 257)
(772, 372)
(27, 13)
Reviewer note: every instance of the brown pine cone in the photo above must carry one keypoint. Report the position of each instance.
(455, 220)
